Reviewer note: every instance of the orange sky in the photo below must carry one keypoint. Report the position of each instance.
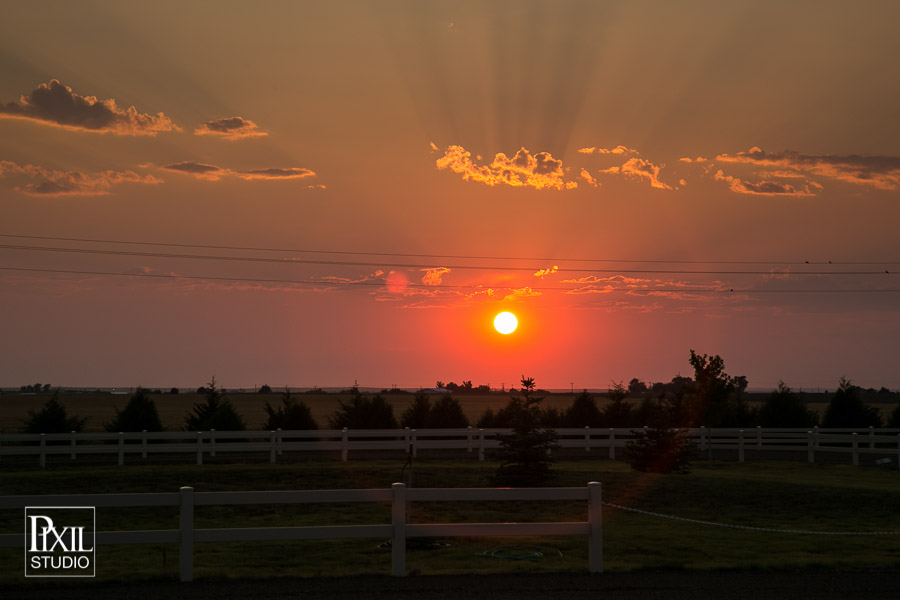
(370, 183)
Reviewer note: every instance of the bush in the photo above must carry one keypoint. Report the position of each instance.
(292, 414)
(583, 412)
(138, 415)
(894, 419)
(784, 408)
(216, 412)
(52, 418)
(526, 453)
(363, 413)
(660, 450)
(847, 408)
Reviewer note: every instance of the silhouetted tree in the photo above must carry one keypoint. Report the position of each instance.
(583, 412)
(660, 450)
(292, 414)
(847, 408)
(216, 412)
(894, 419)
(447, 413)
(52, 418)
(784, 408)
(525, 454)
(417, 414)
(714, 398)
(264, 389)
(363, 413)
(139, 414)
(618, 413)
(636, 387)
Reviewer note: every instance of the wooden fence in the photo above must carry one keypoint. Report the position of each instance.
(398, 530)
(737, 443)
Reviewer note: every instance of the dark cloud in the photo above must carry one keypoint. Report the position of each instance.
(199, 170)
(55, 104)
(39, 181)
(768, 187)
(292, 173)
(214, 173)
(231, 128)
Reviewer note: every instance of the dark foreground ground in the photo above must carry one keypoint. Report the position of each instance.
(821, 585)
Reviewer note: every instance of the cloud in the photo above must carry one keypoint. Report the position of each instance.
(620, 150)
(640, 169)
(880, 172)
(767, 187)
(538, 171)
(39, 181)
(544, 272)
(214, 173)
(434, 276)
(518, 294)
(231, 128)
(586, 176)
(56, 104)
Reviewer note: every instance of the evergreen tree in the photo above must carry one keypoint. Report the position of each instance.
(216, 412)
(416, 416)
(847, 408)
(363, 413)
(139, 414)
(293, 414)
(525, 454)
(784, 408)
(583, 412)
(52, 418)
(447, 413)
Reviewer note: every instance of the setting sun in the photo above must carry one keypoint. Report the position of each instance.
(506, 323)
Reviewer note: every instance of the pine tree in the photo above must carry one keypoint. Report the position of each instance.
(526, 453)
(139, 414)
(216, 412)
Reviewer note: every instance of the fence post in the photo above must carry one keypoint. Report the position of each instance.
(816, 435)
(280, 441)
(871, 436)
(344, 445)
(144, 443)
(587, 438)
(810, 451)
(74, 453)
(121, 449)
(212, 442)
(898, 450)
(469, 439)
(398, 539)
(595, 521)
(612, 443)
(708, 445)
(855, 449)
(274, 450)
(741, 445)
(43, 450)
(186, 536)
(199, 447)
(415, 449)
(758, 436)
(481, 444)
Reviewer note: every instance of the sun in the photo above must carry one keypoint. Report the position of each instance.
(506, 323)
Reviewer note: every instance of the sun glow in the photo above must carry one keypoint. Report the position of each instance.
(506, 323)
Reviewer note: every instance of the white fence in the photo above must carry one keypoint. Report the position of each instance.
(397, 530)
(884, 443)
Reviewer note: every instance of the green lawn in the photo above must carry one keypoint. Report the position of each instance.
(771, 495)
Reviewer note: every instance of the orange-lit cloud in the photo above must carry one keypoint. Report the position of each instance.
(214, 173)
(544, 272)
(588, 178)
(56, 104)
(520, 293)
(881, 172)
(39, 181)
(231, 128)
(640, 169)
(767, 187)
(539, 171)
(434, 276)
(620, 150)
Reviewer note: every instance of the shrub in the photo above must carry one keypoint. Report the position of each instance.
(526, 453)
(52, 418)
(583, 412)
(139, 414)
(847, 408)
(446, 413)
(784, 408)
(660, 450)
(216, 412)
(417, 414)
(363, 413)
(292, 414)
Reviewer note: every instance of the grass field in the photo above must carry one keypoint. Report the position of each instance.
(99, 409)
(769, 495)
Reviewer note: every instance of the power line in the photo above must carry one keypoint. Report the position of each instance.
(421, 266)
(332, 283)
(452, 256)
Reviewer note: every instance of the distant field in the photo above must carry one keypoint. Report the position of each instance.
(99, 409)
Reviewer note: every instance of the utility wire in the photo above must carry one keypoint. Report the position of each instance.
(298, 261)
(453, 256)
(331, 283)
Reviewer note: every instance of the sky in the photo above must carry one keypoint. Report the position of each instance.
(322, 193)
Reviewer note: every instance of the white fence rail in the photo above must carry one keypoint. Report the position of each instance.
(397, 530)
(853, 442)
